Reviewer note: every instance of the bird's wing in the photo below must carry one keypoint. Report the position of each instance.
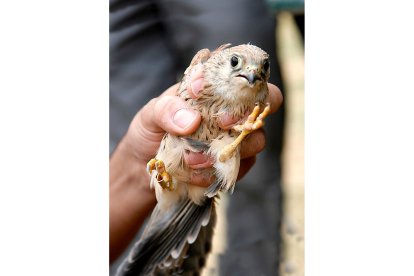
(201, 57)
(193, 256)
(222, 47)
(166, 236)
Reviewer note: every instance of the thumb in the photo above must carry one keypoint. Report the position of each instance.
(170, 114)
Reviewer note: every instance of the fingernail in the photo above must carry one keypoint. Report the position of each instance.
(196, 86)
(184, 117)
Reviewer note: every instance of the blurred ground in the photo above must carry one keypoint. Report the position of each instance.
(291, 55)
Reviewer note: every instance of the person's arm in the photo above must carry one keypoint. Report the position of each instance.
(131, 199)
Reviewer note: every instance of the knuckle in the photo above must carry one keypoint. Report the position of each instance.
(256, 142)
(260, 140)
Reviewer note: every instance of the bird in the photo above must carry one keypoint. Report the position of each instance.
(177, 238)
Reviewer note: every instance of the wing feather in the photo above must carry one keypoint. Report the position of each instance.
(163, 240)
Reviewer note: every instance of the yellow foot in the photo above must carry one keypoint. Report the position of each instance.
(253, 122)
(163, 178)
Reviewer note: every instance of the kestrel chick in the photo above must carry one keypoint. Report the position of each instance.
(178, 236)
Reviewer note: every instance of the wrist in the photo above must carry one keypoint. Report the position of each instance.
(131, 199)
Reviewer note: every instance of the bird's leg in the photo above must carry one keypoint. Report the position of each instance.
(163, 178)
(253, 122)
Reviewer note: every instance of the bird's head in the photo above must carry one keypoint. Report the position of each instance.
(240, 72)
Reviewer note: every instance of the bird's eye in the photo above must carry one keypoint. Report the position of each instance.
(266, 65)
(234, 61)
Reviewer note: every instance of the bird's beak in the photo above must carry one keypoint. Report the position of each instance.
(251, 76)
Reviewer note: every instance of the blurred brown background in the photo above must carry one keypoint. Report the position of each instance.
(291, 53)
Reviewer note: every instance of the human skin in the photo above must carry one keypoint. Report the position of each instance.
(131, 199)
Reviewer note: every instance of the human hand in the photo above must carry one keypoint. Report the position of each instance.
(128, 179)
(169, 113)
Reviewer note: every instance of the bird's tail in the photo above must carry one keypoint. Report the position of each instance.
(174, 241)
